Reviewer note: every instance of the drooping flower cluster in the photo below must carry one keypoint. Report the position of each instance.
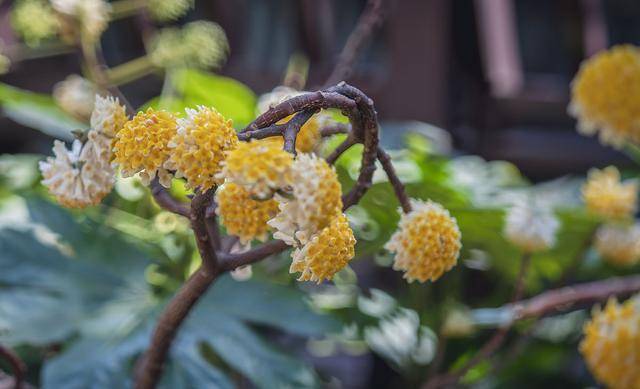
(619, 243)
(326, 253)
(108, 115)
(317, 200)
(604, 96)
(531, 228)
(142, 146)
(93, 15)
(427, 242)
(75, 95)
(242, 215)
(260, 167)
(611, 344)
(198, 148)
(167, 10)
(606, 196)
(23, 17)
(200, 44)
(83, 176)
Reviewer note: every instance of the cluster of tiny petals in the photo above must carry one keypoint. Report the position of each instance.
(242, 215)
(619, 244)
(142, 146)
(75, 95)
(611, 344)
(199, 147)
(326, 253)
(82, 176)
(531, 228)
(604, 96)
(317, 200)
(92, 14)
(108, 115)
(259, 166)
(427, 242)
(605, 195)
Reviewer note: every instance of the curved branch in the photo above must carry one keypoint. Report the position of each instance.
(340, 149)
(551, 301)
(335, 129)
(164, 199)
(293, 127)
(370, 19)
(398, 186)
(152, 363)
(17, 365)
(232, 261)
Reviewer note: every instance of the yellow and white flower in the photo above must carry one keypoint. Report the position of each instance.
(607, 196)
(618, 244)
(531, 227)
(75, 95)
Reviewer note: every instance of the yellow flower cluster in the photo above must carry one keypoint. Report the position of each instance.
(618, 244)
(606, 196)
(242, 215)
(260, 167)
(142, 146)
(83, 176)
(427, 242)
(604, 96)
(199, 146)
(326, 253)
(611, 344)
(317, 200)
(166, 10)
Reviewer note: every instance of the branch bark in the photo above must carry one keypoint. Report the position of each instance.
(17, 365)
(398, 186)
(164, 199)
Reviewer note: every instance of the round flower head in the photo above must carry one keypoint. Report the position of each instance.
(93, 15)
(22, 19)
(604, 96)
(199, 147)
(108, 116)
(619, 244)
(242, 215)
(427, 242)
(531, 228)
(611, 344)
(316, 201)
(75, 96)
(198, 44)
(326, 253)
(309, 136)
(142, 146)
(259, 166)
(167, 10)
(606, 196)
(81, 176)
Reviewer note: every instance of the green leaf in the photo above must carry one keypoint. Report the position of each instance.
(37, 111)
(231, 98)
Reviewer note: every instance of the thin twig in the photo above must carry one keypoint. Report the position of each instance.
(293, 128)
(398, 186)
(340, 149)
(335, 129)
(233, 261)
(164, 199)
(17, 365)
(371, 18)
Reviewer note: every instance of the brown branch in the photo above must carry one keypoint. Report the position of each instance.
(164, 199)
(340, 149)
(232, 261)
(17, 365)
(152, 362)
(371, 18)
(398, 186)
(293, 127)
(551, 301)
(334, 129)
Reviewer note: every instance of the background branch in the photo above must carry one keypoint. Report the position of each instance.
(398, 186)
(17, 365)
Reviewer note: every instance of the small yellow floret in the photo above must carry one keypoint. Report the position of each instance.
(427, 242)
(242, 215)
(606, 196)
(261, 167)
(317, 200)
(326, 253)
(142, 146)
(199, 147)
(611, 344)
(605, 95)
